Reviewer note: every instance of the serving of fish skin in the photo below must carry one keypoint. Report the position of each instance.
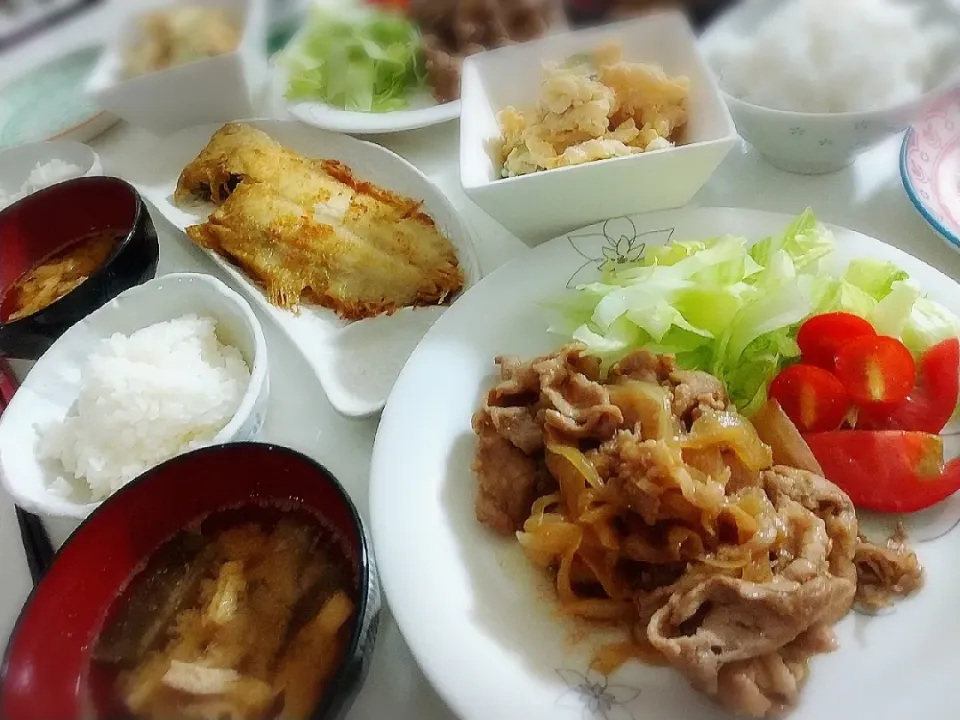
(308, 230)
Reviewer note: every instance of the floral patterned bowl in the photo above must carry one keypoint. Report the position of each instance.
(930, 168)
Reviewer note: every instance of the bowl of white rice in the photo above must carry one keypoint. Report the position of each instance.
(25, 169)
(167, 367)
(812, 83)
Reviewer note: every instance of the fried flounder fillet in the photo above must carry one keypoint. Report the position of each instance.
(309, 226)
(292, 254)
(238, 152)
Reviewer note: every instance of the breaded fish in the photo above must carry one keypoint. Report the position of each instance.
(294, 256)
(238, 152)
(303, 227)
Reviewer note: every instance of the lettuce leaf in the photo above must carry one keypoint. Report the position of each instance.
(718, 305)
(361, 59)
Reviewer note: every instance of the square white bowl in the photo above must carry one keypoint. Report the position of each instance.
(542, 205)
(215, 89)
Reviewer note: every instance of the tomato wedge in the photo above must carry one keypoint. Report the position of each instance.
(933, 400)
(875, 369)
(887, 471)
(822, 336)
(811, 397)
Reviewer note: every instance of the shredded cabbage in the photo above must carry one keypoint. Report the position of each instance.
(733, 309)
(356, 58)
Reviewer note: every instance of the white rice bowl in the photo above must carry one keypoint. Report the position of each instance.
(820, 56)
(43, 175)
(144, 398)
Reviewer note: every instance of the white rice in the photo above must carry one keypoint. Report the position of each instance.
(144, 398)
(42, 176)
(824, 56)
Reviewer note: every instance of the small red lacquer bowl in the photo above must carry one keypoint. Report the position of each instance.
(44, 669)
(46, 222)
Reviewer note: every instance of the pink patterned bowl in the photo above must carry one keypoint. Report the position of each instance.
(930, 167)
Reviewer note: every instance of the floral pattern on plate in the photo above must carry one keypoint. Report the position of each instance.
(591, 696)
(930, 168)
(616, 243)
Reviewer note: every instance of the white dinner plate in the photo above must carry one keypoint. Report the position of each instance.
(480, 619)
(356, 362)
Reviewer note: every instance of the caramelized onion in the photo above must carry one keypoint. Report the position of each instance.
(733, 431)
(778, 431)
(645, 403)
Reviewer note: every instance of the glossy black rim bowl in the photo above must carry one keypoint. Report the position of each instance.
(46, 660)
(44, 223)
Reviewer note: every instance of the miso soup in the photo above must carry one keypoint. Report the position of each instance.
(63, 272)
(246, 615)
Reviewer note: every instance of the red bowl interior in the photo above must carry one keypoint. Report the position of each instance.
(46, 222)
(50, 645)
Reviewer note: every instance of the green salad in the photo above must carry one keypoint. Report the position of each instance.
(356, 58)
(732, 308)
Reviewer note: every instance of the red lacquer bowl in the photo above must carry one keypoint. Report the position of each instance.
(41, 224)
(48, 653)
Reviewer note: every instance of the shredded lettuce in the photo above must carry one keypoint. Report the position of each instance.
(894, 304)
(362, 59)
(732, 308)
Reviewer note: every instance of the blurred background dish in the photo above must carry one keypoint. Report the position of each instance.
(243, 488)
(538, 205)
(25, 169)
(183, 92)
(389, 66)
(80, 427)
(21, 20)
(64, 252)
(930, 168)
(812, 85)
(48, 102)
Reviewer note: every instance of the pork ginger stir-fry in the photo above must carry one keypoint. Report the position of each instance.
(658, 508)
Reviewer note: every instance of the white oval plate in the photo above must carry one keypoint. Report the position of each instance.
(423, 112)
(930, 168)
(479, 618)
(356, 362)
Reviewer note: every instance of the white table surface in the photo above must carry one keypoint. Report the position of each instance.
(867, 197)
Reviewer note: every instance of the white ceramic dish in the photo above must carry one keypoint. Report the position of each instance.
(481, 620)
(930, 168)
(50, 388)
(18, 162)
(815, 143)
(215, 89)
(47, 102)
(422, 112)
(538, 206)
(357, 362)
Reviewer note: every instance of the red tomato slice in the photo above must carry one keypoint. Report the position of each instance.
(888, 471)
(875, 369)
(811, 397)
(822, 336)
(933, 400)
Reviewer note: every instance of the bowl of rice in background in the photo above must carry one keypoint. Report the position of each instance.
(25, 169)
(812, 83)
(167, 367)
